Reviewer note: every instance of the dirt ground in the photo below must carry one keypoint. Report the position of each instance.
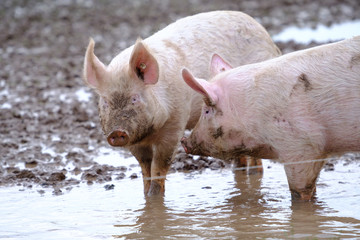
(42, 45)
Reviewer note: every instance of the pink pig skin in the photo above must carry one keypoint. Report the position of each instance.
(144, 104)
(298, 107)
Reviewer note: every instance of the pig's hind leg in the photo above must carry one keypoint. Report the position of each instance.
(302, 179)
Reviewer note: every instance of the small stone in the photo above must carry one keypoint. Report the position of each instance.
(133, 176)
(58, 176)
(57, 191)
(329, 167)
(215, 166)
(120, 176)
(109, 187)
(26, 174)
(42, 192)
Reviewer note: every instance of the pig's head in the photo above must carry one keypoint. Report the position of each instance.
(127, 101)
(220, 132)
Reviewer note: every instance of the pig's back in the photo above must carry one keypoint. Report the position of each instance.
(322, 85)
(234, 35)
(336, 94)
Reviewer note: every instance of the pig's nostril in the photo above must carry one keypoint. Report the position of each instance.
(118, 139)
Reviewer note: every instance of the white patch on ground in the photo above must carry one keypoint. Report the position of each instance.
(115, 158)
(321, 33)
(5, 106)
(82, 95)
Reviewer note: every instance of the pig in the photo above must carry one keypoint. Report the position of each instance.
(295, 109)
(145, 106)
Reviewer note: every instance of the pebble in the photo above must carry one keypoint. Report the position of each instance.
(109, 187)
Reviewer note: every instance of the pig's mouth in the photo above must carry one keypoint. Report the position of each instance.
(193, 148)
(183, 144)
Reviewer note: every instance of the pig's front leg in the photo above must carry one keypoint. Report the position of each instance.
(302, 179)
(144, 155)
(241, 162)
(160, 166)
(252, 164)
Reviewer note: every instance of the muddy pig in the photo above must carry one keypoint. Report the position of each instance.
(144, 104)
(241, 162)
(295, 108)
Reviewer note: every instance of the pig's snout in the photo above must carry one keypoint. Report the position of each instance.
(185, 145)
(118, 139)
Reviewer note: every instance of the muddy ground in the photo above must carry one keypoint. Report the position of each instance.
(42, 44)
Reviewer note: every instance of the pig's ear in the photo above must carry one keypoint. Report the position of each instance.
(218, 65)
(201, 86)
(144, 64)
(94, 70)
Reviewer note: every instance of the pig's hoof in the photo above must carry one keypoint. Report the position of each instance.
(302, 196)
(155, 189)
(118, 139)
(256, 170)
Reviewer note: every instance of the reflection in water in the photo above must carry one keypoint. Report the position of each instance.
(200, 205)
(151, 220)
(310, 219)
(223, 205)
(247, 204)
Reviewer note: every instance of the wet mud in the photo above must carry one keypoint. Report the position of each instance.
(49, 125)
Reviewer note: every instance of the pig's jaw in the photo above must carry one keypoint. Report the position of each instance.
(142, 134)
(260, 151)
(192, 147)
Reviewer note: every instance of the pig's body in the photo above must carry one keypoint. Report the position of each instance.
(144, 104)
(298, 107)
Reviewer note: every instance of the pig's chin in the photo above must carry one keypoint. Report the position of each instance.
(194, 148)
(142, 134)
(209, 150)
(233, 153)
(261, 151)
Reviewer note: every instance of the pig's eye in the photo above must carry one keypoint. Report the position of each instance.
(135, 98)
(105, 103)
(207, 110)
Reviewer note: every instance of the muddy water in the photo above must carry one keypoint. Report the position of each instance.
(209, 204)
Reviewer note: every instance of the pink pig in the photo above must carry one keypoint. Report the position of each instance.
(144, 104)
(295, 108)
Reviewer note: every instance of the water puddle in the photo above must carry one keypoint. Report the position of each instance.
(209, 204)
(320, 34)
